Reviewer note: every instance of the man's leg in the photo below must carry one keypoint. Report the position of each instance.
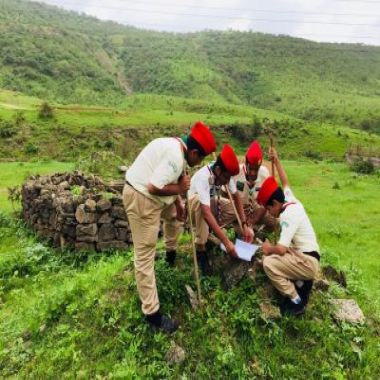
(144, 220)
(281, 270)
(172, 228)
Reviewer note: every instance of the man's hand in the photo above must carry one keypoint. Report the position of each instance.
(181, 211)
(184, 183)
(266, 248)
(273, 154)
(230, 248)
(248, 234)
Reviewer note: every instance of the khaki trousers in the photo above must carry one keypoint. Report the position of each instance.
(201, 229)
(144, 216)
(293, 265)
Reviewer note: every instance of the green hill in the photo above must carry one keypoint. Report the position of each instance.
(62, 56)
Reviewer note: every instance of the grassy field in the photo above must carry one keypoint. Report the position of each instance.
(75, 130)
(77, 316)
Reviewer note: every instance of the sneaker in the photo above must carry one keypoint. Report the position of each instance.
(170, 258)
(162, 322)
(290, 308)
(305, 290)
(204, 263)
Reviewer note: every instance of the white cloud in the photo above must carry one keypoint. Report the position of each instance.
(320, 20)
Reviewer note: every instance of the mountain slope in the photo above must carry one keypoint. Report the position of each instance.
(70, 58)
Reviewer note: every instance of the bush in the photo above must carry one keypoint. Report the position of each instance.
(313, 155)
(362, 166)
(30, 148)
(46, 111)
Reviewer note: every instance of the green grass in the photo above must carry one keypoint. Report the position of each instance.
(81, 130)
(77, 315)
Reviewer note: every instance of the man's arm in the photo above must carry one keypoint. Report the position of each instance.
(280, 170)
(270, 249)
(181, 187)
(214, 226)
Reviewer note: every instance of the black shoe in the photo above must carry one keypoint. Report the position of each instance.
(304, 291)
(204, 263)
(290, 308)
(162, 322)
(170, 258)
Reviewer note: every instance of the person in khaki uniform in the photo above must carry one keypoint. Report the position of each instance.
(210, 211)
(248, 182)
(152, 191)
(293, 262)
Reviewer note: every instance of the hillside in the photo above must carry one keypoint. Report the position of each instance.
(75, 132)
(70, 58)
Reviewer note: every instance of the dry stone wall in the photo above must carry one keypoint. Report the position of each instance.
(76, 211)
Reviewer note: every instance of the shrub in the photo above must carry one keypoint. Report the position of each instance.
(30, 148)
(362, 166)
(46, 111)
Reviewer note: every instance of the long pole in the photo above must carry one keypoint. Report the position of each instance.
(234, 208)
(274, 174)
(196, 270)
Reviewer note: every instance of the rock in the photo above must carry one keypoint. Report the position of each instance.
(113, 244)
(103, 205)
(118, 213)
(332, 274)
(123, 168)
(90, 205)
(176, 354)
(122, 234)
(234, 272)
(194, 301)
(64, 186)
(83, 246)
(267, 291)
(321, 284)
(86, 229)
(122, 223)
(105, 218)
(106, 232)
(84, 217)
(347, 310)
(269, 311)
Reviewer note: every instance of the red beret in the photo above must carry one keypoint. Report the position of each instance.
(203, 136)
(229, 159)
(268, 187)
(254, 154)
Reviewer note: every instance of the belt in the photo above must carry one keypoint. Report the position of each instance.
(314, 254)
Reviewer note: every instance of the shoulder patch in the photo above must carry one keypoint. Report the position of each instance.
(284, 224)
(174, 166)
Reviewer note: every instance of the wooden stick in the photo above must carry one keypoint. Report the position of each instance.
(271, 145)
(234, 208)
(196, 270)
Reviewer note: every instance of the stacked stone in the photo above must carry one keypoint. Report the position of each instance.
(89, 221)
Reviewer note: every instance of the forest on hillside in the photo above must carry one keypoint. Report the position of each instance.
(69, 58)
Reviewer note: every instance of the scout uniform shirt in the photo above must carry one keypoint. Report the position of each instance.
(248, 195)
(296, 229)
(202, 183)
(160, 163)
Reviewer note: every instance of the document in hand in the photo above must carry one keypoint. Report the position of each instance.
(244, 250)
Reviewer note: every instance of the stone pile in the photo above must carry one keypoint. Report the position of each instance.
(76, 211)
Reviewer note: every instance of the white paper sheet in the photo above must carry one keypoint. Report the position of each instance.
(245, 251)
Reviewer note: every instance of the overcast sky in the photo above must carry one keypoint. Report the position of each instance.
(356, 21)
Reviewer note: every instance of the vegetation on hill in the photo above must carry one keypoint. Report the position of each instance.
(70, 58)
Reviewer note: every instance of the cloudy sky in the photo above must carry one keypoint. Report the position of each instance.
(356, 21)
